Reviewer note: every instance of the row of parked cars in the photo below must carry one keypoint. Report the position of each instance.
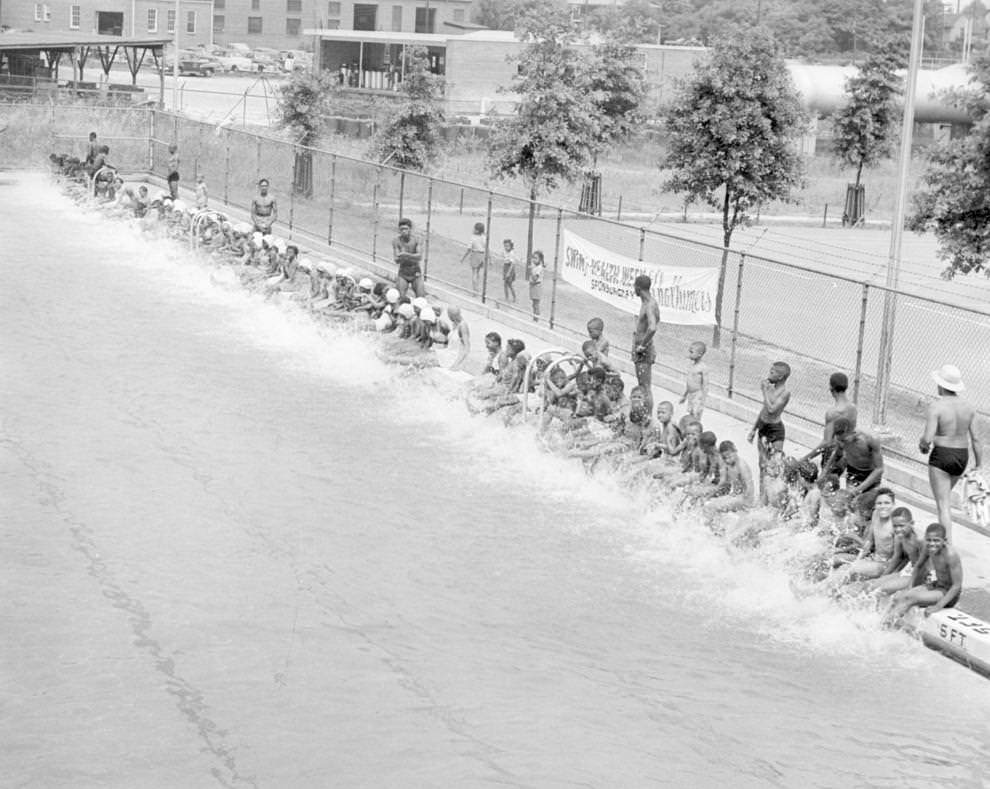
(205, 61)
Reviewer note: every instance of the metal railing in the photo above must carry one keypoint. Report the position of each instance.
(817, 321)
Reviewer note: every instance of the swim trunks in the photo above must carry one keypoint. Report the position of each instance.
(409, 273)
(936, 585)
(645, 355)
(771, 431)
(857, 475)
(951, 460)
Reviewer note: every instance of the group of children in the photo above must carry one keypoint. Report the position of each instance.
(477, 252)
(581, 410)
(862, 544)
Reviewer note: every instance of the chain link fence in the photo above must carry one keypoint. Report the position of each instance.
(772, 309)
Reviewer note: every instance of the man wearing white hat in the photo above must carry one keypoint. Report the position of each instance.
(948, 434)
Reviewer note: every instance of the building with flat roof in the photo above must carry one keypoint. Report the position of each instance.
(476, 65)
(112, 18)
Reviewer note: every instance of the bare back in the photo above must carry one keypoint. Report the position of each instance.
(953, 418)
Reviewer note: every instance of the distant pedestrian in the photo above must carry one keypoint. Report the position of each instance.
(510, 262)
(475, 256)
(534, 273)
(202, 194)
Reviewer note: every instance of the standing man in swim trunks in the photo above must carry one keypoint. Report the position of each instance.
(644, 352)
(948, 434)
(937, 580)
(407, 254)
(862, 455)
(264, 209)
(769, 426)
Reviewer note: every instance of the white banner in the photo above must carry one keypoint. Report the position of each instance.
(685, 295)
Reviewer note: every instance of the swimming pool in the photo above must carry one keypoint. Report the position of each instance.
(242, 551)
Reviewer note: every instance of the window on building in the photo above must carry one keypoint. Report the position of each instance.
(424, 24)
(255, 5)
(333, 8)
(47, 12)
(293, 27)
(38, 12)
(333, 24)
(218, 20)
(365, 16)
(219, 4)
(254, 25)
(74, 16)
(170, 21)
(458, 14)
(293, 6)
(396, 18)
(190, 21)
(152, 20)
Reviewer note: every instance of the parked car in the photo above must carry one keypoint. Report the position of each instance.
(235, 61)
(196, 67)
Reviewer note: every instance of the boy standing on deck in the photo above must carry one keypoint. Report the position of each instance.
(768, 425)
(173, 171)
(696, 380)
(264, 209)
(838, 383)
(202, 194)
(596, 332)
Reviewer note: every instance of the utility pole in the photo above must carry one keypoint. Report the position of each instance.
(897, 228)
(175, 61)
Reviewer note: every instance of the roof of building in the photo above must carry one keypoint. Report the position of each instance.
(38, 41)
(382, 36)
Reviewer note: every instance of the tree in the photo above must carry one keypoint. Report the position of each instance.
(304, 103)
(411, 137)
(618, 89)
(551, 135)
(954, 201)
(733, 131)
(495, 14)
(865, 126)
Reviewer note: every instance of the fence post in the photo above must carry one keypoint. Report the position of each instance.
(556, 267)
(292, 189)
(460, 209)
(618, 212)
(735, 324)
(257, 161)
(825, 217)
(226, 168)
(402, 193)
(199, 149)
(642, 243)
(152, 134)
(859, 342)
(488, 240)
(333, 189)
(429, 219)
(374, 202)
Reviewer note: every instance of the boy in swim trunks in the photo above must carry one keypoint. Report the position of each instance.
(407, 254)
(862, 455)
(264, 209)
(768, 425)
(907, 551)
(173, 171)
(644, 351)
(736, 490)
(838, 384)
(949, 431)
(937, 579)
(596, 333)
(696, 380)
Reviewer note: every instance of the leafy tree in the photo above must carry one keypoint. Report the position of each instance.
(954, 201)
(304, 104)
(865, 126)
(618, 89)
(733, 128)
(495, 14)
(551, 136)
(411, 137)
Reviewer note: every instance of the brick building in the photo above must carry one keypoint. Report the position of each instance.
(112, 17)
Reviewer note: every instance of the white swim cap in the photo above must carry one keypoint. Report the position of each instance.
(306, 264)
(391, 295)
(420, 303)
(383, 322)
(427, 315)
(242, 227)
(257, 238)
(366, 283)
(178, 205)
(280, 244)
(406, 310)
(268, 239)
